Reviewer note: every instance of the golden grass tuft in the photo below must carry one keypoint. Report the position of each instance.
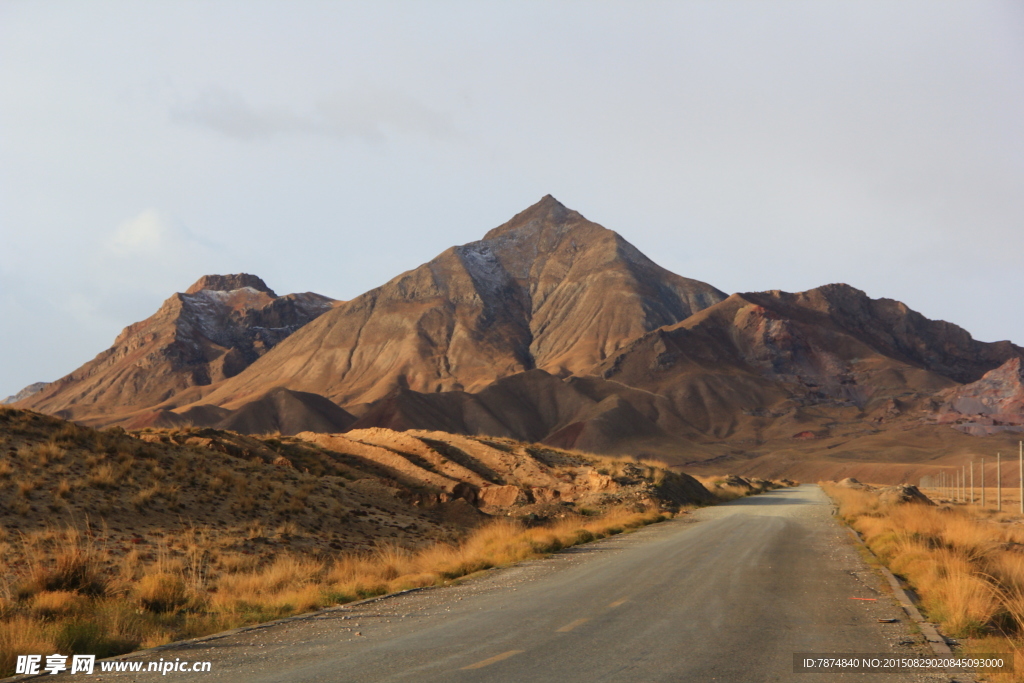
(161, 591)
(49, 604)
(102, 476)
(73, 568)
(964, 566)
(62, 489)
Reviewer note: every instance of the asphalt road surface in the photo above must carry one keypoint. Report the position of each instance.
(726, 593)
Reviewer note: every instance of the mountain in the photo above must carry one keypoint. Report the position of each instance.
(555, 329)
(212, 331)
(547, 290)
(585, 413)
(280, 411)
(33, 388)
(829, 344)
(760, 382)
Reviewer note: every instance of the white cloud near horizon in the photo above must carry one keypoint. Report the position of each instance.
(148, 255)
(146, 233)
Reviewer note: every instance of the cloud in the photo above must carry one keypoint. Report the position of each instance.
(229, 114)
(145, 233)
(145, 258)
(153, 240)
(117, 278)
(367, 113)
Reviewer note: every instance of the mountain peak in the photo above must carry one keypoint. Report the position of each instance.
(548, 211)
(228, 283)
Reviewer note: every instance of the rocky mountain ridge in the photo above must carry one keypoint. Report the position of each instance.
(195, 339)
(548, 289)
(555, 329)
(33, 388)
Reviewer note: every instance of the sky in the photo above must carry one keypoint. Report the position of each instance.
(329, 146)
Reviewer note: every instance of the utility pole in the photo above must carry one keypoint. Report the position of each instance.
(983, 482)
(963, 479)
(999, 483)
(1022, 477)
(972, 482)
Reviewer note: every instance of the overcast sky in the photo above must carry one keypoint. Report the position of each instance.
(328, 146)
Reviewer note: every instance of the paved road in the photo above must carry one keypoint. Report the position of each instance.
(727, 593)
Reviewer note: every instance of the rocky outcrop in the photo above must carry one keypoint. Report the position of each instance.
(901, 494)
(993, 404)
(999, 393)
(496, 475)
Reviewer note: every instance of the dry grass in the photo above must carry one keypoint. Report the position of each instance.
(102, 476)
(68, 605)
(968, 570)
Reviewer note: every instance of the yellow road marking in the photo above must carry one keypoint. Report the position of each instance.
(619, 602)
(570, 626)
(494, 659)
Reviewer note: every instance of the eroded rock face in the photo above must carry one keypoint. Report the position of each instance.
(501, 496)
(999, 393)
(196, 338)
(993, 404)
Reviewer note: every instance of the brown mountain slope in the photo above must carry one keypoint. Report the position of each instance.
(554, 329)
(280, 411)
(752, 374)
(549, 289)
(830, 344)
(584, 413)
(288, 412)
(214, 330)
(892, 328)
